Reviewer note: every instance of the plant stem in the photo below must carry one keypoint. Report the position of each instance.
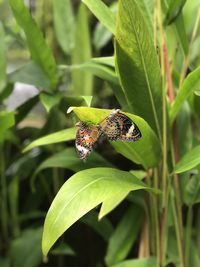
(177, 229)
(4, 204)
(188, 234)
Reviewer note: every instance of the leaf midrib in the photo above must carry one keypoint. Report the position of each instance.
(145, 71)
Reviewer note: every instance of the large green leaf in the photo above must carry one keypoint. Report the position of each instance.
(64, 24)
(2, 59)
(61, 136)
(81, 193)
(146, 151)
(82, 82)
(103, 13)
(124, 235)
(138, 65)
(39, 50)
(190, 84)
(189, 161)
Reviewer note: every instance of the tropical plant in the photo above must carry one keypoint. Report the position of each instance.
(139, 56)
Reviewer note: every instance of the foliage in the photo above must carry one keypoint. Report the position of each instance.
(63, 61)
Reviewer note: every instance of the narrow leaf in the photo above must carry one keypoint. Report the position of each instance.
(82, 82)
(64, 24)
(189, 161)
(190, 84)
(61, 136)
(137, 65)
(39, 50)
(7, 120)
(103, 13)
(3, 76)
(81, 193)
(124, 235)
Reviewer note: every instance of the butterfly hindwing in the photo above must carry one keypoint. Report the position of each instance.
(86, 136)
(118, 126)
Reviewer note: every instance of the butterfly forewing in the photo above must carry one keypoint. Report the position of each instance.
(118, 126)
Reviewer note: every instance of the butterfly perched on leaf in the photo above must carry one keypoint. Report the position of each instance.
(116, 126)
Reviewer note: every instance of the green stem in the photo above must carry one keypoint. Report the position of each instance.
(188, 234)
(156, 221)
(178, 236)
(4, 204)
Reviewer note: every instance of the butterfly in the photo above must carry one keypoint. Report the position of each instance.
(116, 126)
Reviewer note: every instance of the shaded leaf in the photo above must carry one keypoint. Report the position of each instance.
(64, 24)
(49, 101)
(103, 228)
(39, 50)
(192, 190)
(124, 235)
(30, 73)
(63, 249)
(81, 193)
(137, 65)
(25, 250)
(174, 9)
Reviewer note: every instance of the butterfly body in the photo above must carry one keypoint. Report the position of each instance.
(116, 126)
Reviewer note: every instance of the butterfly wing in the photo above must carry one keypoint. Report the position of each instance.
(118, 126)
(86, 136)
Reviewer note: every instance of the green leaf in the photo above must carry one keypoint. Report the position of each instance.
(144, 262)
(25, 108)
(138, 65)
(109, 204)
(146, 151)
(68, 159)
(39, 50)
(190, 84)
(3, 76)
(192, 190)
(81, 193)
(7, 120)
(124, 235)
(61, 136)
(49, 101)
(189, 161)
(30, 73)
(82, 82)
(103, 13)
(174, 9)
(25, 251)
(64, 24)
